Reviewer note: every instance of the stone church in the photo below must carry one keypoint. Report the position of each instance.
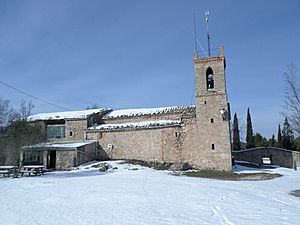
(198, 134)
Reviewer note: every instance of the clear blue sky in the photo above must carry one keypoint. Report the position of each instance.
(138, 53)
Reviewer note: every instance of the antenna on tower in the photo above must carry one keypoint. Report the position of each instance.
(208, 38)
(195, 32)
(195, 39)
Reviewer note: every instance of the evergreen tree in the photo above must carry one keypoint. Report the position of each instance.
(279, 137)
(287, 135)
(272, 142)
(249, 137)
(260, 141)
(236, 145)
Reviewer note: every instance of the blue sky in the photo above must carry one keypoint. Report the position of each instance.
(137, 53)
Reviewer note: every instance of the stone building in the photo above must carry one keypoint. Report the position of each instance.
(197, 134)
(59, 156)
(66, 146)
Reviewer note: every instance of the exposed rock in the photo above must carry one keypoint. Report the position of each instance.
(179, 166)
(103, 167)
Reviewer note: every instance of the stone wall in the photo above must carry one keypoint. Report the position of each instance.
(75, 130)
(214, 147)
(159, 144)
(86, 153)
(172, 144)
(65, 160)
(278, 156)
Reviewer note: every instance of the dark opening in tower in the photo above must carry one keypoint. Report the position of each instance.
(210, 78)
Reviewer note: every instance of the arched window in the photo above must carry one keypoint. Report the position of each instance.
(210, 78)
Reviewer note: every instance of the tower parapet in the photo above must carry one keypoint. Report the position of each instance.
(205, 54)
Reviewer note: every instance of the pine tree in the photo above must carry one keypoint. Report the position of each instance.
(279, 137)
(236, 145)
(287, 135)
(249, 137)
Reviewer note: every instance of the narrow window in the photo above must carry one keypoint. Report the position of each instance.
(210, 78)
(212, 146)
(204, 102)
(71, 133)
(212, 120)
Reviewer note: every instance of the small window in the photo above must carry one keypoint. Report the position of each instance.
(177, 134)
(204, 102)
(212, 146)
(212, 120)
(71, 133)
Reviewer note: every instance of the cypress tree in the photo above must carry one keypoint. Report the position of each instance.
(287, 135)
(279, 137)
(249, 137)
(272, 141)
(236, 145)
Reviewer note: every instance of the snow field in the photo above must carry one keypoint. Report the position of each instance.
(146, 196)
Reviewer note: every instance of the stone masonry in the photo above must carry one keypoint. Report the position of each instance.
(198, 135)
(202, 139)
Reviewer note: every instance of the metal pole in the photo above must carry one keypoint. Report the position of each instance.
(208, 38)
(195, 33)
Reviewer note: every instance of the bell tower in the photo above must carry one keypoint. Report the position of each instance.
(212, 111)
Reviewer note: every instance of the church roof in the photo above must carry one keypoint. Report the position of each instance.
(83, 114)
(142, 124)
(146, 111)
(109, 113)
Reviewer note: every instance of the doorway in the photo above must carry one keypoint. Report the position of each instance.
(51, 160)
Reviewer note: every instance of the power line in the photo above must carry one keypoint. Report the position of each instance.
(32, 96)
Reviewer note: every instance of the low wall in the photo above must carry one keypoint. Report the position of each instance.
(278, 156)
(86, 153)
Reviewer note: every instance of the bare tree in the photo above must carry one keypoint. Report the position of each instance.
(5, 112)
(292, 96)
(25, 109)
(94, 106)
(16, 131)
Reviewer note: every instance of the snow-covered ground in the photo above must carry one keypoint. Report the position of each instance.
(138, 195)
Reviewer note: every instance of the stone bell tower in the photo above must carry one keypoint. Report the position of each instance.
(212, 112)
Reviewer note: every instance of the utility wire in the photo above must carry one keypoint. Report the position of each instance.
(36, 98)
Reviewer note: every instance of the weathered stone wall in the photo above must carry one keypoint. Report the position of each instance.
(214, 147)
(75, 130)
(278, 156)
(86, 153)
(190, 142)
(65, 159)
(159, 144)
(173, 144)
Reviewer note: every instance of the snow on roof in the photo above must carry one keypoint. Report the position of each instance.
(62, 146)
(145, 111)
(66, 115)
(144, 124)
